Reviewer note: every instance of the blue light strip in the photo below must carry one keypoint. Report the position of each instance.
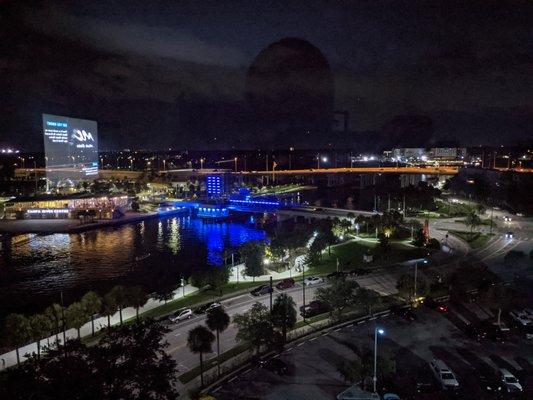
(270, 203)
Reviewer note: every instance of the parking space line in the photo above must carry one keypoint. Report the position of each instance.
(312, 339)
(300, 344)
(337, 330)
(245, 372)
(232, 379)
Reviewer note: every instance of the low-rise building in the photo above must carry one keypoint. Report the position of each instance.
(75, 206)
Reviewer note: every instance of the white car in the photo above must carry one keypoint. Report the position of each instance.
(184, 314)
(521, 317)
(313, 280)
(509, 380)
(391, 396)
(444, 374)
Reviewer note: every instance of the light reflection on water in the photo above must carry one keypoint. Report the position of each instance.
(34, 271)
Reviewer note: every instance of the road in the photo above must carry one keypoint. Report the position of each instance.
(382, 282)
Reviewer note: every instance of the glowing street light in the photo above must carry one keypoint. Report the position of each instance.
(381, 332)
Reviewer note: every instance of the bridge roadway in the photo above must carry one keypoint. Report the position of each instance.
(359, 170)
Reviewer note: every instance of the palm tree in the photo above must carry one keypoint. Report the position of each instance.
(472, 220)
(40, 325)
(54, 314)
(218, 321)
(284, 314)
(199, 341)
(368, 298)
(17, 328)
(76, 316)
(93, 305)
(119, 294)
(109, 308)
(137, 298)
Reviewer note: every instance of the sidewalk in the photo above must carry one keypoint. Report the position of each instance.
(86, 330)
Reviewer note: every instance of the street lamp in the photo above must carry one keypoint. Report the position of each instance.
(381, 332)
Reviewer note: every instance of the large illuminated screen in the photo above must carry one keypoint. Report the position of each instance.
(71, 148)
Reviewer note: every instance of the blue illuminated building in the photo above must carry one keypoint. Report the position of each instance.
(215, 185)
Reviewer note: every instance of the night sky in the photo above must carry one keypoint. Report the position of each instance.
(159, 74)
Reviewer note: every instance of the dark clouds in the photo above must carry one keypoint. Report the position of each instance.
(174, 72)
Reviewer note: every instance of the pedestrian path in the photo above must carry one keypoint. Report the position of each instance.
(10, 358)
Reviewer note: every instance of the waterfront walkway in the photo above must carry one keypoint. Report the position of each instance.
(50, 226)
(10, 357)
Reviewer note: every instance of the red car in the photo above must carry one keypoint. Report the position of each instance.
(285, 284)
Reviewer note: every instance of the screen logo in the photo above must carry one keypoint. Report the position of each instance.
(82, 135)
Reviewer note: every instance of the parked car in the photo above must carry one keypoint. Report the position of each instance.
(507, 218)
(444, 374)
(474, 332)
(493, 331)
(359, 271)
(522, 318)
(277, 366)
(316, 307)
(181, 315)
(261, 290)
(313, 280)
(390, 396)
(285, 284)
(430, 302)
(404, 312)
(206, 307)
(511, 384)
(336, 274)
(488, 381)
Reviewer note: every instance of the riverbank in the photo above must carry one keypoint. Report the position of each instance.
(51, 226)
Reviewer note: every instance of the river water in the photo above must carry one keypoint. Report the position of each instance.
(35, 270)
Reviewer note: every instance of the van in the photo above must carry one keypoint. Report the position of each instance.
(444, 374)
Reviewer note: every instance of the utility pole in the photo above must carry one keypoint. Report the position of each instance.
(267, 161)
(491, 215)
(388, 204)
(303, 287)
(63, 318)
(416, 278)
(233, 267)
(404, 205)
(271, 290)
(375, 378)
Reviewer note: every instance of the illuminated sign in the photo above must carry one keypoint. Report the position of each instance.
(48, 211)
(71, 148)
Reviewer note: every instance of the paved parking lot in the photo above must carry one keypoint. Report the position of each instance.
(312, 364)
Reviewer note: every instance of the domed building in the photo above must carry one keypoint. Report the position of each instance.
(290, 91)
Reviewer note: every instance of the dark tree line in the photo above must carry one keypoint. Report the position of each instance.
(130, 362)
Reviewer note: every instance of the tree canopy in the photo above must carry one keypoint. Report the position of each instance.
(129, 363)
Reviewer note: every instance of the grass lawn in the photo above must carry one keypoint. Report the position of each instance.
(350, 256)
(474, 239)
(485, 222)
(446, 209)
